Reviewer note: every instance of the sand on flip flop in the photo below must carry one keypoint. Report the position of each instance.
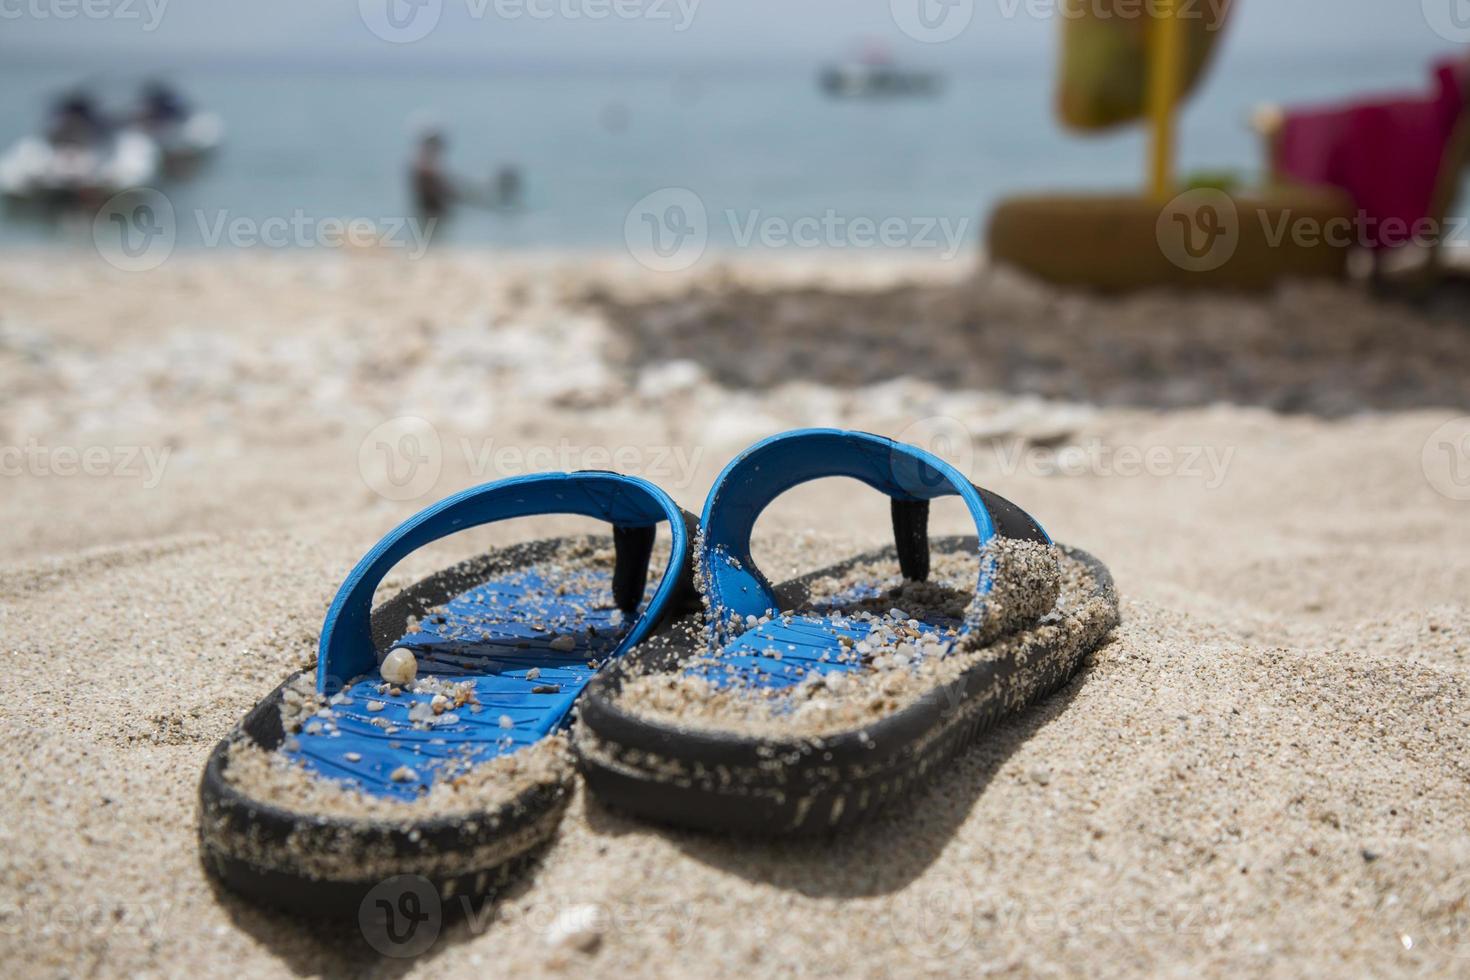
(894, 665)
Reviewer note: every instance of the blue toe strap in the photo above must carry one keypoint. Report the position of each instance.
(346, 648)
(907, 474)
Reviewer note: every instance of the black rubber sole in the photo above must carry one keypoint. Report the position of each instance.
(329, 898)
(767, 787)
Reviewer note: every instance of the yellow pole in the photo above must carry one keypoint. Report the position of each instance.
(1166, 57)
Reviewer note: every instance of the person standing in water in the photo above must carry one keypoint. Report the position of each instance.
(433, 191)
(436, 192)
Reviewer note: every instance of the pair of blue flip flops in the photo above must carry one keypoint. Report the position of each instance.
(485, 660)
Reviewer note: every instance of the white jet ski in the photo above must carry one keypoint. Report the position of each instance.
(35, 169)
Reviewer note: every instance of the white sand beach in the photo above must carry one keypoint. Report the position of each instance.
(1264, 771)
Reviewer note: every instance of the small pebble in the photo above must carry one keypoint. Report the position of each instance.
(578, 927)
(506, 722)
(403, 774)
(399, 667)
(353, 757)
(564, 643)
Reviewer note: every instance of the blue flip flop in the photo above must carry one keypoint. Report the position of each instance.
(423, 743)
(1033, 611)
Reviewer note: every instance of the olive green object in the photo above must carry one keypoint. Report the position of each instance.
(1104, 66)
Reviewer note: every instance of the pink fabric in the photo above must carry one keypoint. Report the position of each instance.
(1386, 154)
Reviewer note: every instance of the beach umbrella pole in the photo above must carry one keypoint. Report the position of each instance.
(1166, 50)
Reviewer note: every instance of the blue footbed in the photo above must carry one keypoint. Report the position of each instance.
(785, 649)
(491, 635)
(477, 648)
(779, 652)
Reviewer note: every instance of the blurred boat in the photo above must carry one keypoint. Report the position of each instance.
(873, 75)
(186, 143)
(186, 136)
(35, 169)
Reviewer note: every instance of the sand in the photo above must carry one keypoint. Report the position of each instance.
(1060, 615)
(1264, 771)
